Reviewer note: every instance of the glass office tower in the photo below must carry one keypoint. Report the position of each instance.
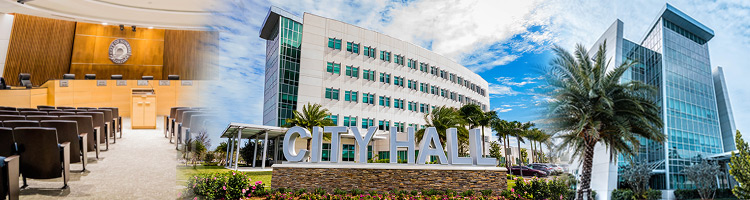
(283, 41)
(673, 56)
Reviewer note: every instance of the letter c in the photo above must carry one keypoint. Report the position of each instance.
(290, 138)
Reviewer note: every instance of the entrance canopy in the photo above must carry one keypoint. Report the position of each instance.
(252, 130)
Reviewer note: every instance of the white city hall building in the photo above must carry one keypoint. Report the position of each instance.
(364, 78)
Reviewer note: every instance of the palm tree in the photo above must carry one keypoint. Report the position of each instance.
(533, 136)
(502, 131)
(312, 115)
(520, 130)
(443, 118)
(487, 118)
(591, 105)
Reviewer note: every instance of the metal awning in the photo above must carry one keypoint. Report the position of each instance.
(251, 130)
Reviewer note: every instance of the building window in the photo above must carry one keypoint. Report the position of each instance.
(398, 81)
(384, 155)
(399, 126)
(402, 156)
(368, 98)
(412, 64)
(398, 103)
(350, 96)
(423, 87)
(334, 119)
(333, 68)
(453, 78)
(412, 106)
(366, 123)
(461, 98)
(384, 125)
(385, 101)
(434, 71)
(423, 67)
(385, 56)
(370, 52)
(459, 79)
(352, 47)
(332, 93)
(369, 152)
(385, 78)
(398, 59)
(347, 153)
(326, 152)
(433, 90)
(352, 71)
(350, 121)
(334, 43)
(368, 75)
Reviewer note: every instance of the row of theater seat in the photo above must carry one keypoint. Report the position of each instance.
(48, 139)
(24, 79)
(182, 121)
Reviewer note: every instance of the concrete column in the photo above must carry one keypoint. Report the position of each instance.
(265, 151)
(276, 150)
(231, 152)
(226, 160)
(255, 149)
(237, 154)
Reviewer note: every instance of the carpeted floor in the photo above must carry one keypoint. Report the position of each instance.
(141, 165)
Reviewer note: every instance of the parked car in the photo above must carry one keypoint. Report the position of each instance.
(547, 167)
(558, 169)
(541, 167)
(517, 170)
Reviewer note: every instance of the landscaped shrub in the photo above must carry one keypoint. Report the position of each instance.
(622, 194)
(536, 188)
(693, 194)
(226, 185)
(653, 194)
(374, 195)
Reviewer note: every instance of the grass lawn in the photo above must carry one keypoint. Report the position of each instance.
(183, 173)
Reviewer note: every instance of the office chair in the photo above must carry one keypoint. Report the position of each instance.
(2, 84)
(69, 76)
(25, 80)
(173, 77)
(147, 78)
(89, 76)
(116, 77)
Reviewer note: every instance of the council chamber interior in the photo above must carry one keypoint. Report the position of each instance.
(70, 89)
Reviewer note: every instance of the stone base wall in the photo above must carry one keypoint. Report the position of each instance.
(377, 179)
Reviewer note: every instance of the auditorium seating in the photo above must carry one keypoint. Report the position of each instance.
(108, 126)
(43, 107)
(7, 143)
(41, 117)
(8, 112)
(86, 125)
(20, 123)
(177, 120)
(42, 156)
(168, 122)
(26, 109)
(58, 113)
(12, 117)
(9, 170)
(99, 127)
(118, 119)
(33, 113)
(67, 131)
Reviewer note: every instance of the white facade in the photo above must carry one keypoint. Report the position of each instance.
(315, 78)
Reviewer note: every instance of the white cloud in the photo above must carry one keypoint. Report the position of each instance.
(502, 110)
(495, 89)
(509, 81)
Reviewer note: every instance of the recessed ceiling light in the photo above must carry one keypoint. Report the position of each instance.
(104, 23)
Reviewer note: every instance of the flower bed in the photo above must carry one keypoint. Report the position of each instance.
(223, 185)
(238, 185)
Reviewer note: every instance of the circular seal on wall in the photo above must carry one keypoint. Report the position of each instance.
(119, 51)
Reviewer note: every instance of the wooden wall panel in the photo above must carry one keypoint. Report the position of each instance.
(190, 54)
(91, 51)
(39, 46)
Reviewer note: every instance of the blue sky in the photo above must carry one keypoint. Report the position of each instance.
(504, 42)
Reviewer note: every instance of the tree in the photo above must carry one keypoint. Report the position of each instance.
(312, 115)
(247, 153)
(197, 151)
(590, 105)
(495, 151)
(443, 118)
(472, 116)
(221, 150)
(520, 130)
(523, 158)
(703, 176)
(502, 129)
(740, 168)
(636, 176)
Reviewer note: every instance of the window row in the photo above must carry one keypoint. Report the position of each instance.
(383, 125)
(371, 52)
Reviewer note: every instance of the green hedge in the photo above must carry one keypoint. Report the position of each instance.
(627, 194)
(223, 185)
(693, 194)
